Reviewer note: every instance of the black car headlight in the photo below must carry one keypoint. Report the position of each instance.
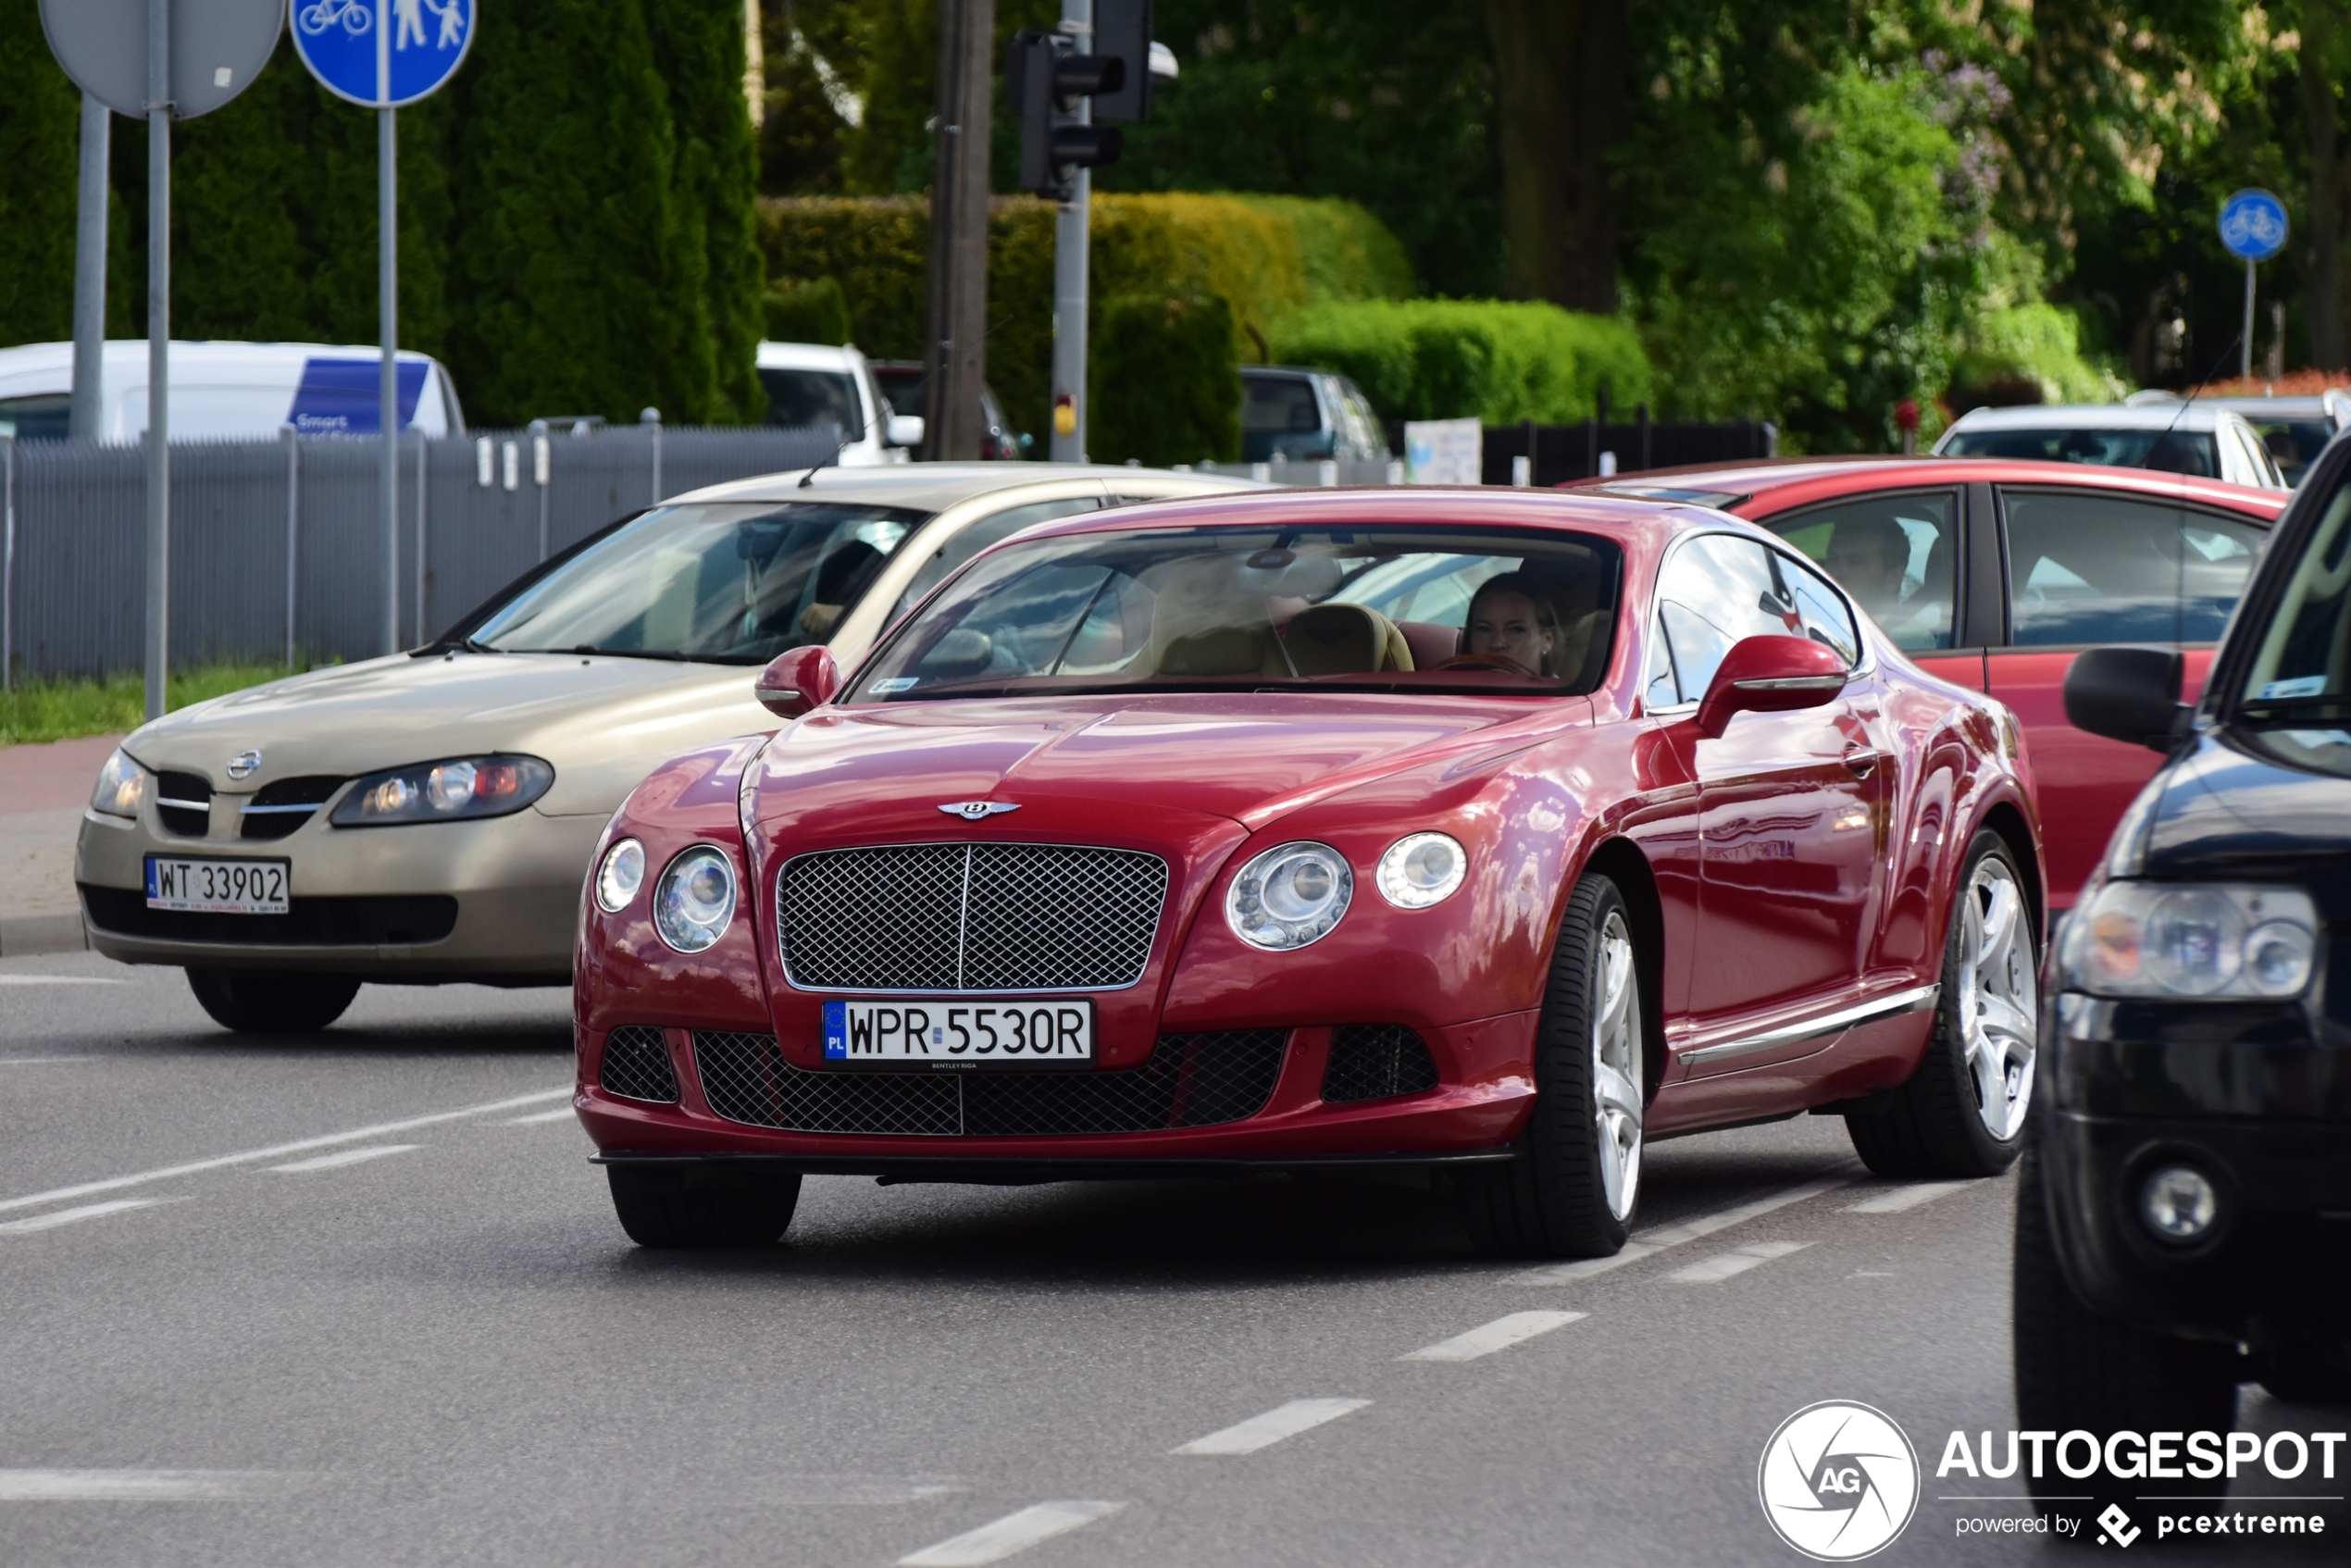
(443, 791)
(2191, 940)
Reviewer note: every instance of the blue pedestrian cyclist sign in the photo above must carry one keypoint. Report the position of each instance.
(382, 54)
(2252, 225)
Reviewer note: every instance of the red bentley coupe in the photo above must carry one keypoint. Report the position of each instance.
(1496, 832)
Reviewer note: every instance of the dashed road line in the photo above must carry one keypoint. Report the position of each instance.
(147, 1485)
(1264, 1431)
(57, 980)
(1902, 1198)
(1715, 1270)
(279, 1151)
(345, 1157)
(1498, 1335)
(1013, 1533)
(40, 1061)
(1648, 1243)
(560, 1113)
(70, 1216)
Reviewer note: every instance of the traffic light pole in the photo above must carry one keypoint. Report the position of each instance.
(1070, 242)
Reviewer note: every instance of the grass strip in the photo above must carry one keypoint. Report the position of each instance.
(61, 710)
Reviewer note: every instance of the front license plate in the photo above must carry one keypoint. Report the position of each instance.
(217, 886)
(960, 1033)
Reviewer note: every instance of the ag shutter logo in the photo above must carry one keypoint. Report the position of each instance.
(1838, 1481)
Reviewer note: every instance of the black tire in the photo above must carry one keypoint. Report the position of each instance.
(696, 1206)
(259, 1003)
(1550, 1200)
(2305, 1375)
(1932, 1125)
(2078, 1371)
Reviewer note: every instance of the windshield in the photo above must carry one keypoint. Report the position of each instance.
(2169, 451)
(2293, 443)
(735, 582)
(1206, 609)
(2304, 667)
(814, 397)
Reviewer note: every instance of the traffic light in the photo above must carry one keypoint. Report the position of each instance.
(1044, 76)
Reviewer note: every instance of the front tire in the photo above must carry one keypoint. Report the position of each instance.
(696, 1206)
(1961, 1111)
(1574, 1182)
(255, 1003)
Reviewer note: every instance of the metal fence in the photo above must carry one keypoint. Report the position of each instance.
(277, 550)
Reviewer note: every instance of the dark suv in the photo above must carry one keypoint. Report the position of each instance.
(2184, 1211)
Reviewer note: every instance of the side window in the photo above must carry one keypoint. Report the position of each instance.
(2085, 569)
(1825, 617)
(1715, 592)
(977, 536)
(1896, 554)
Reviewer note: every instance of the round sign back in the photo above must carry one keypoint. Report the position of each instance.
(383, 52)
(2252, 225)
(217, 47)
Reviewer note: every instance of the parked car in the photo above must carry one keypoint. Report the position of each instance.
(819, 384)
(430, 817)
(1312, 829)
(1993, 574)
(2295, 429)
(226, 391)
(2198, 438)
(2183, 1219)
(1301, 413)
(902, 383)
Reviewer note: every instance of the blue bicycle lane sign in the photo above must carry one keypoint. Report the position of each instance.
(2252, 225)
(382, 54)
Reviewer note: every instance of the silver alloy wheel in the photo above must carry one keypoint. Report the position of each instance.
(1999, 1005)
(1616, 1067)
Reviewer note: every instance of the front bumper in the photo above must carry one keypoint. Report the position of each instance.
(375, 903)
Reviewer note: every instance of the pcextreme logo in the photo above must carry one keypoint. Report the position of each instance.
(1838, 1481)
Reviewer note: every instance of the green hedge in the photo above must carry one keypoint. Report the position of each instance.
(1349, 254)
(1165, 386)
(1450, 359)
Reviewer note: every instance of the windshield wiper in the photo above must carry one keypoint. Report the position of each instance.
(456, 645)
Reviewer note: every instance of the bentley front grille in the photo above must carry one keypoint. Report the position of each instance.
(636, 1065)
(1377, 1062)
(969, 918)
(1190, 1081)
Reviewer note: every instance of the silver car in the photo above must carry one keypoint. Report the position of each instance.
(428, 816)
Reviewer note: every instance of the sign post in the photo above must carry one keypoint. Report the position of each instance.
(380, 54)
(157, 60)
(2253, 227)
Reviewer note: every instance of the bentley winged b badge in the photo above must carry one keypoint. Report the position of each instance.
(974, 811)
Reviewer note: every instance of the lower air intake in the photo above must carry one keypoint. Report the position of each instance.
(637, 1065)
(1190, 1081)
(1377, 1062)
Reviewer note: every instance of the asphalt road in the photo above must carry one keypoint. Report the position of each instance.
(357, 1299)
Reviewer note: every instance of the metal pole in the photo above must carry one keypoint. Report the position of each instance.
(1070, 238)
(543, 471)
(2244, 355)
(287, 434)
(651, 419)
(158, 352)
(388, 281)
(9, 560)
(423, 447)
(90, 273)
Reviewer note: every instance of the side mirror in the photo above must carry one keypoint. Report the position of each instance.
(2130, 694)
(904, 429)
(1769, 674)
(797, 681)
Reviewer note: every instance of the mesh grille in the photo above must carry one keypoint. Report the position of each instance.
(637, 1065)
(1377, 1062)
(1190, 1081)
(949, 917)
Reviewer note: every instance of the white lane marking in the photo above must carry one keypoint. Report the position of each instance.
(1264, 1431)
(849, 1490)
(1498, 1335)
(561, 1113)
(1903, 1198)
(1715, 1270)
(40, 1061)
(278, 1151)
(347, 1157)
(68, 1216)
(57, 980)
(1014, 1532)
(146, 1485)
(1648, 1243)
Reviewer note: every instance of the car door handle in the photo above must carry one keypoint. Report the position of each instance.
(1862, 761)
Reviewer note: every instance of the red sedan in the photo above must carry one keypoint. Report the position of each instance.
(1495, 832)
(1995, 574)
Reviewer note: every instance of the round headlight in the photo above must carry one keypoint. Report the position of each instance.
(1421, 870)
(2194, 941)
(2277, 957)
(696, 899)
(1289, 896)
(620, 875)
(2178, 1204)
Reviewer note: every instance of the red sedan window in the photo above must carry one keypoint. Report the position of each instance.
(1896, 554)
(2087, 568)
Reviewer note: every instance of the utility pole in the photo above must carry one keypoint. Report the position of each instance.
(1071, 258)
(158, 352)
(955, 356)
(89, 272)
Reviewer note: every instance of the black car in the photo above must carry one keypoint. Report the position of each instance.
(901, 382)
(2184, 1210)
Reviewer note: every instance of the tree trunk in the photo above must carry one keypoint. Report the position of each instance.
(2322, 285)
(1559, 72)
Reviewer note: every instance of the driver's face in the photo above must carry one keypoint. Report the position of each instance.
(1505, 623)
(1864, 564)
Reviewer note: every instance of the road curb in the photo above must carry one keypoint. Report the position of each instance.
(24, 935)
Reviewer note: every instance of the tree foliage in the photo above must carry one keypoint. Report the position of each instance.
(39, 137)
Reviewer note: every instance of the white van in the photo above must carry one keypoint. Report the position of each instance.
(818, 385)
(223, 391)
